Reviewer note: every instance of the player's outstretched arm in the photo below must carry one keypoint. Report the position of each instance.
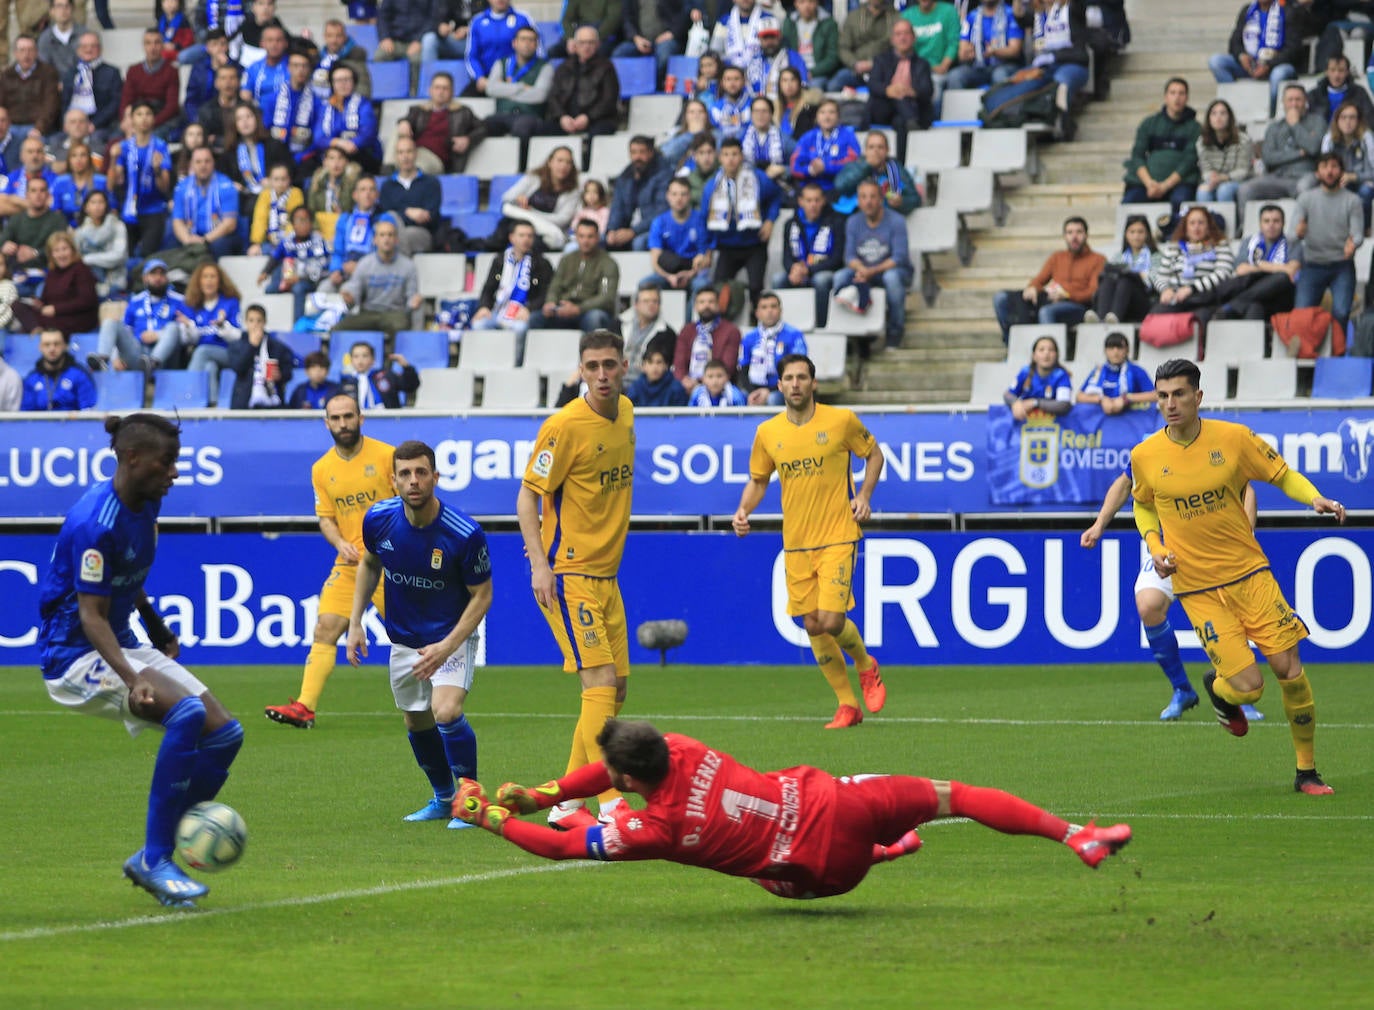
(1111, 505)
(589, 780)
(472, 805)
(1302, 490)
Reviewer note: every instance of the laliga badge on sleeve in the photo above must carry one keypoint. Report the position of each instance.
(92, 566)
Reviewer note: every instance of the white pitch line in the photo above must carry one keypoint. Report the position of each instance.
(173, 918)
(670, 717)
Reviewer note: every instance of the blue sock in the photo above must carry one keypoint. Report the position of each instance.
(1164, 647)
(172, 777)
(214, 756)
(429, 755)
(460, 744)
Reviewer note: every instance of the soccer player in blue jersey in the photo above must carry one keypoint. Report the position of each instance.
(438, 588)
(94, 663)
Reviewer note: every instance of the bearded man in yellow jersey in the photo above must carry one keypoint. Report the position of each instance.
(1190, 482)
(574, 512)
(809, 445)
(348, 479)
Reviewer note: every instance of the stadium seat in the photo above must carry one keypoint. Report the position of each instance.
(652, 114)
(968, 191)
(493, 156)
(1343, 378)
(550, 33)
(1267, 379)
(115, 391)
(280, 309)
(423, 348)
(1151, 211)
(226, 389)
(481, 107)
(934, 151)
(854, 324)
(496, 190)
(442, 275)
(445, 389)
(479, 224)
(456, 69)
(1089, 336)
(962, 108)
(1214, 379)
(1249, 100)
(1150, 357)
(932, 230)
(121, 47)
(540, 148)
(1000, 151)
(389, 113)
(672, 307)
(459, 194)
(1023, 337)
(634, 267)
(481, 267)
(510, 389)
(638, 75)
(481, 351)
(364, 35)
(1250, 225)
(552, 352)
(390, 79)
(1232, 341)
(244, 272)
(183, 390)
(301, 342)
(684, 69)
(1362, 258)
(990, 380)
(342, 342)
(610, 154)
(798, 307)
(21, 352)
(827, 352)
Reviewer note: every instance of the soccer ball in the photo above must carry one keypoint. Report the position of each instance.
(211, 837)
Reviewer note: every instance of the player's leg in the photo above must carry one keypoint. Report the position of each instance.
(414, 698)
(836, 595)
(1235, 679)
(618, 635)
(1153, 595)
(451, 685)
(219, 745)
(803, 599)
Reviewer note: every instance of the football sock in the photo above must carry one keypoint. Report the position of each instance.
(428, 746)
(577, 757)
(318, 666)
(598, 705)
(1302, 718)
(1004, 812)
(215, 754)
(171, 776)
(1164, 647)
(852, 642)
(460, 744)
(1227, 691)
(831, 661)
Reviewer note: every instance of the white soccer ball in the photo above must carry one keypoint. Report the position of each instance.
(211, 837)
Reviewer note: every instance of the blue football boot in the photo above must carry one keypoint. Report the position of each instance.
(435, 810)
(165, 881)
(1178, 704)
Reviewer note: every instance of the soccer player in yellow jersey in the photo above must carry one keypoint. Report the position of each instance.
(348, 480)
(1189, 482)
(809, 445)
(574, 512)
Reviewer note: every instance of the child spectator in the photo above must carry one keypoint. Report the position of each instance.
(595, 208)
(260, 362)
(656, 385)
(378, 388)
(1041, 385)
(707, 86)
(716, 389)
(1117, 384)
(298, 262)
(273, 211)
(316, 390)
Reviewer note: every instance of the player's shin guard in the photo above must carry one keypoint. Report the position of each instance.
(176, 758)
(852, 643)
(215, 754)
(831, 661)
(1004, 812)
(1302, 718)
(1164, 647)
(428, 746)
(318, 666)
(460, 744)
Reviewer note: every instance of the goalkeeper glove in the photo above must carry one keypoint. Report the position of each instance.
(520, 799)
(471, 805)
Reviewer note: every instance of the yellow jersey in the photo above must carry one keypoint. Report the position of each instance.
(346, 488)
(1198, 491)
(812, 462)
(583, 468)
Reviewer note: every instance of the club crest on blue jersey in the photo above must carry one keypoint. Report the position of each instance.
(436, 560)
(1039, 452)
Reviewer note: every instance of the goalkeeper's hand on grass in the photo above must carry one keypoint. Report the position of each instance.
(471, 805)
(520, 799)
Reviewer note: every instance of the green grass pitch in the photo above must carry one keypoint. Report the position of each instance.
(1235, 891)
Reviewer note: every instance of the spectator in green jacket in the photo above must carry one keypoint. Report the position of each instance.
(1163, 161)
(816, 35)
(583, 293)
(898, 187)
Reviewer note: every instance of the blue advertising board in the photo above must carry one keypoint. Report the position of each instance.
(946, 598)
(686, 463)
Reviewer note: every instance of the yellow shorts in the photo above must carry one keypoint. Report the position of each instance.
(1228, 618)
(821, 579)
(588, 622)
(337, 595)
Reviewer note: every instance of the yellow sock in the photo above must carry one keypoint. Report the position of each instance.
(318, 666)
(852, 642)
(1227, 691)
(598, 705)
(1302, 718)
(831, 661)
(577, 758)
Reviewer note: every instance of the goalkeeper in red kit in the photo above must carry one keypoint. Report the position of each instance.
(799, 833)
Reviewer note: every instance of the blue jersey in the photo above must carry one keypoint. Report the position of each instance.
(262, 80)
(105, 549)
(687, 239)
(68, 197)
(1031, 385)
(1128, 377)
(427, 570)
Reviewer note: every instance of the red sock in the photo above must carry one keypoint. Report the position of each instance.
(1004, 812)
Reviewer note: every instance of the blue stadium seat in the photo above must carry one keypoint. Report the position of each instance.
(1343, 378)
(301, 342)
(340, 343)
(684, 68)
(550, 33)
(459, 194)
(390, 80)
(498, 187)
(115, 391)
(638, 75)
(423, 348)
(183, 390)
(226, 388)
(479, 225)
(456, 69)
(21, 352)
(365, 36)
